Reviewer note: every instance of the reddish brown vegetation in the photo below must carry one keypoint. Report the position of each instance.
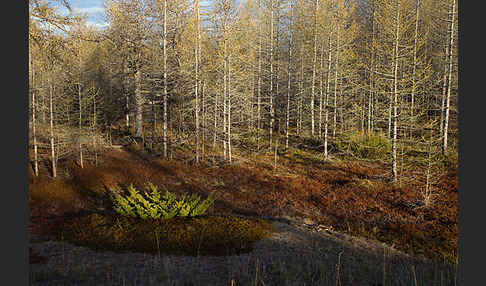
(347, 195)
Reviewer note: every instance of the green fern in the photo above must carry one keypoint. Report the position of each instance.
(151, 204)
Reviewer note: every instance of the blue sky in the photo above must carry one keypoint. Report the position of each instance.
(92, 8)
(95, 11)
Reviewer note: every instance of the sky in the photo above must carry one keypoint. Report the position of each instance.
(92, 8)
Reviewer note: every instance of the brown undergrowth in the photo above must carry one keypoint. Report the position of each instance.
(350, 196)
(214, 235)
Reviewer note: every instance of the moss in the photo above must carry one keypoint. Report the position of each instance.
(204, 235)
(368, 146)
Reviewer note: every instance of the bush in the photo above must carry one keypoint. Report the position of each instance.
(202, 235)
(152, 204)
(369, 146)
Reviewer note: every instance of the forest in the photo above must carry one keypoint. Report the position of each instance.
(341, 113)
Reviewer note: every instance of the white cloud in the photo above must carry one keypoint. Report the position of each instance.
(89, 10)
(98, 25)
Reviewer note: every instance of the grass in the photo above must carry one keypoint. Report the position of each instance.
(319, 265)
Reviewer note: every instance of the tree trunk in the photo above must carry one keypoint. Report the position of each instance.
(328, 82)
(271, 75)
(165, 79)
(395, 97)
(51, 121)
(215, 121)
(448, 99)
(259, 73)
(370, 97)
(80, 111)
(229, 109)
(314, 60)
(301, 93)
(94, 131)
(414, 71)
(34, 137)
(127, 98)
(334, 124)
(224, 99)
(138, 104)
(287, 121)
(277, 72)
(321, 91)
(197, 80)
(203, 121)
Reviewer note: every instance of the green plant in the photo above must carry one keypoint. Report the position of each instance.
(151, 204)
(369, 146)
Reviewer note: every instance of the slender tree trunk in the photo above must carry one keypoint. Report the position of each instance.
(229, 108)
(444, 90)
(363, 106)
(127, 98)
(301, 93)
(277, 72)
(321, 90)
(197, 80)
(414, 71)
(259, 74)
(271, 75)
(250, 105)
(203, 121)
(370, 97)
(165, 80)
(44, 109)
(314, 60)
(110, 74)
(448, 99)
(80, 124)
(225, 112)
(215, 121)
(94, 130)
(287, 121)
(334, 123)
(51, 121)
(138, 104)
(395, 97)
(34, 136)
(328, 82)
(390, 107)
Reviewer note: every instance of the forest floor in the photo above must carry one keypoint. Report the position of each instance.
(338, 221)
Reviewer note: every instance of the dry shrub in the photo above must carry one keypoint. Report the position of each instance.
(56, 196)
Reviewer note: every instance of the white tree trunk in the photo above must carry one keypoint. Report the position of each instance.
(395, 97)
(334, 123)
(51, 121)
(301, 93)
(34, 136)
(165, 80)
(229, 108)
(314, 60)
(328, 82)
(271, 76)
(80, 107)
(197, 80)
(321, 91)
(287, 121)
(370, 97)
(448, 99)
(259, 73)
(138, 104)
(414, 71)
